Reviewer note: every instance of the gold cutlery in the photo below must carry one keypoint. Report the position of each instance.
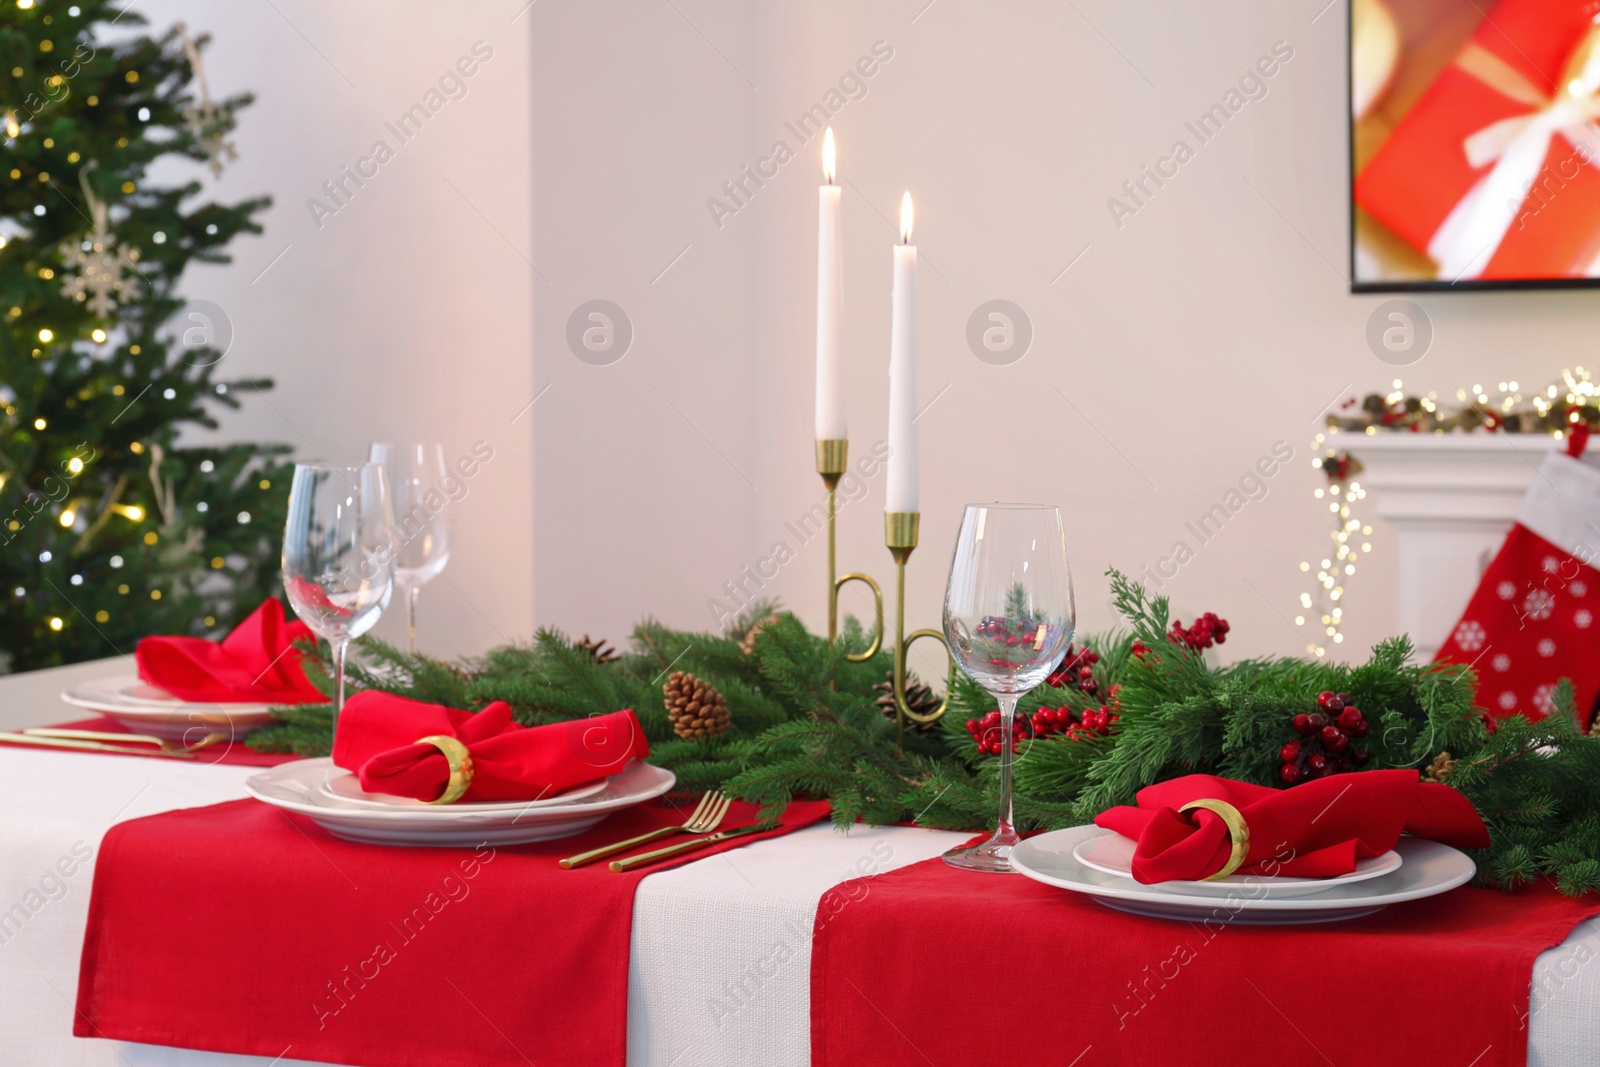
(73, 739)
(706, 817)
(618, 866)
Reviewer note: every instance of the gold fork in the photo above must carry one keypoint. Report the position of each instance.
(166, 747)
(706, 817)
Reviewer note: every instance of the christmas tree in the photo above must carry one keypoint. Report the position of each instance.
(112, 528)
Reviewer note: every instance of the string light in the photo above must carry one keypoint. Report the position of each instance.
(1396, 412)
(132, 512)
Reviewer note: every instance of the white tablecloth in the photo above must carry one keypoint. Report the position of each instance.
(719, 968)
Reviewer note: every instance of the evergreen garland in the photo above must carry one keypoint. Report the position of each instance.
(805, 724)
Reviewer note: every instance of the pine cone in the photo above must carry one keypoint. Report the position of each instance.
(919, 698)
(695, 708)
(602, 652)
(1439, 769)
(748, 644)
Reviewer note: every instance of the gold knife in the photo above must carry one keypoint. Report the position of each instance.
(88, 746)
(644, 858)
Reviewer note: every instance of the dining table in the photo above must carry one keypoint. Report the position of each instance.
(697, 930)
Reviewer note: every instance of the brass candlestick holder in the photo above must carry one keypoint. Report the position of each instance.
(832, 461)
(900, 529)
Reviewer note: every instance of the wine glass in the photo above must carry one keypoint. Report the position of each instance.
(423, 491)
(338, 554)
(1009, 617)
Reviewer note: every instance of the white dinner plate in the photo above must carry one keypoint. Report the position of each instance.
(297, 787)
(129, 701)
(1427, 869)
(1112, 853)
(343, 786)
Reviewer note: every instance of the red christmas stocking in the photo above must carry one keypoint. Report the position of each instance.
(1535, 617)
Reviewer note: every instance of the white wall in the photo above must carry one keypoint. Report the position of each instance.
(408, 311)
(1211, 324)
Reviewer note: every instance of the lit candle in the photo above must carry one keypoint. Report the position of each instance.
(830, 303)
(903, 372)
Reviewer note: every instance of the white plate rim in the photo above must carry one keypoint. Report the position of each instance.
(1286, 885)
(104, 695)
(411, 805)
(1418, 853)
(259, 786)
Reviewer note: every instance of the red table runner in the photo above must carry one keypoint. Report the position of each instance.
(241, 928)
(928, 964)
(233, 752)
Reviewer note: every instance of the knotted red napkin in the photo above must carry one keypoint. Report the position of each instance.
(255, 664)
(378, 739)
(1316, 830)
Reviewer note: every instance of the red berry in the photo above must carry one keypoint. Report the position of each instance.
(1324, 698)
(1318, 720)
(1302, 724)
(1318, 762)
(1361, 755)
(1290, 773)
(1350, 718)
(1289, 752)
(1359, 729)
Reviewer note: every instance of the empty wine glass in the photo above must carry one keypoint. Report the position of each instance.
(338, 554)
(420, 489)
(1009, 617)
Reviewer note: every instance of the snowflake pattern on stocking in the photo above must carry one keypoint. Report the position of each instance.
(1539, 604)
(1502, 663)
(1547, 647)
(1582, 619)
(1508, 700)
(1580, 589)
(98, 273)
(1542, 699)
(1470, 635)
(1507, 590)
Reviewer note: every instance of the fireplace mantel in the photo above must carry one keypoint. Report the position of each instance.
(1450, 499)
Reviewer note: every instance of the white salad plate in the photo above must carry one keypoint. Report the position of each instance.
(146, 709)
(1112, 854)
(1428, 868)
(297, 787)
(343, 786)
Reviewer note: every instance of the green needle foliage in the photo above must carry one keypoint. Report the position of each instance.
(112, 528)
(805, 724)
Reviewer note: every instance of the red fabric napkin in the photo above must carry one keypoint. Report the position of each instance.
(1442, 982)
(255, 664)
(241, 928)
(1316, 830)
(378, 732)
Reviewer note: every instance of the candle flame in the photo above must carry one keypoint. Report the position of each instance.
(828, 162)
(905, 219)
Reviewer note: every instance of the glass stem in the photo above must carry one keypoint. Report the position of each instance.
(339, 648)
(411, 616)
(1003, 831)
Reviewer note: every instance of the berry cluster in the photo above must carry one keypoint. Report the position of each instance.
(1076, 672)
(1324, 747)
(986, 733)
(1046, 722)
(1207, 630)
(996, 628)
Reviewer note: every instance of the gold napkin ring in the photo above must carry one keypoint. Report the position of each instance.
(460, 762)
(1238, 831)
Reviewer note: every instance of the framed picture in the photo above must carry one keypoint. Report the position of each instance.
(1474, 144)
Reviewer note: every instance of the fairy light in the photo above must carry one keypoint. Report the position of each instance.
(1572, 400)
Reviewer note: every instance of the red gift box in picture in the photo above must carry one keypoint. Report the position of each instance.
(1495, 172)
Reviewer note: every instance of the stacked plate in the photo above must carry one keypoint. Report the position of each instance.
(1097, 863)
(147, 710)
(332, 797)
